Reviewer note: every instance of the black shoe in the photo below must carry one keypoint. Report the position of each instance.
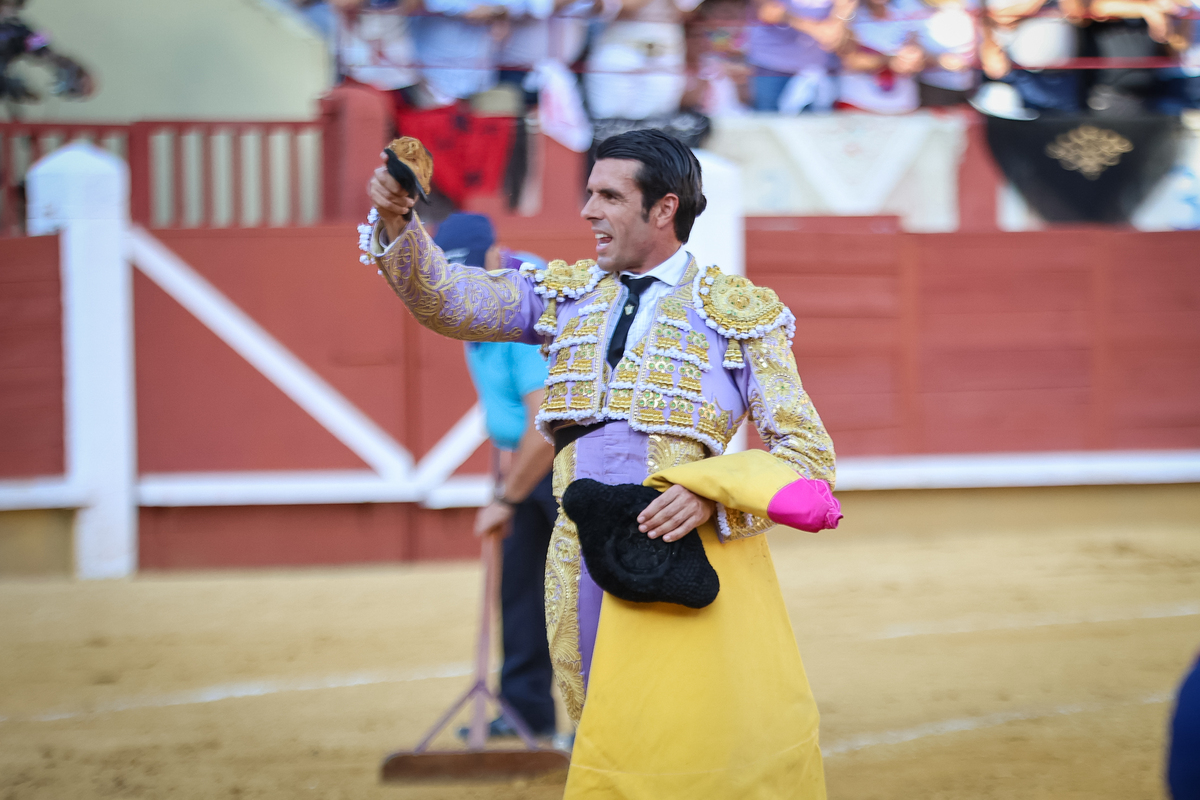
(500, 728)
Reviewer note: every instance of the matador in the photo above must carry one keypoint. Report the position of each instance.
(654, 362)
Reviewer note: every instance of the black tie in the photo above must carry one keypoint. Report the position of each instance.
(616, 345)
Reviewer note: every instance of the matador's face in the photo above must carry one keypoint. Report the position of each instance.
(625, 235)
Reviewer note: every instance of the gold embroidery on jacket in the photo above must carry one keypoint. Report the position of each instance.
(689, 377)
(561, 279)
(569, 329)
(742, 525)
(668, 337)
(681, 410)
(786, 421)
(584, 358)
(583, 395)
(672, 307)
(591, 325)
(620, 401)
(664, 451)
(562, 594)
(784, 414)
(561, 364)
(456, 301)
(627, 370)
(650, 408)
(714, 421)
(660, 371)
(697, 345)
(556, 398)
(738, 308)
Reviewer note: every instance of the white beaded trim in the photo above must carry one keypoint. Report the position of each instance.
(364, 238)
(676, 392)
(599, 305)
(560, 344)
(700, 288)
(663, 319)
(683, 325)
(569, 376)
(687, 433)
(679, 354)
(629, 356)
(724, 531)
(795, 467)
(539, 276)
(543, 418)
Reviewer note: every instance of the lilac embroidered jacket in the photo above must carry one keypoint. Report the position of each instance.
(718, 350)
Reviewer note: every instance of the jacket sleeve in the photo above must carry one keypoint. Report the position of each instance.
(786, 420)
(454, 300)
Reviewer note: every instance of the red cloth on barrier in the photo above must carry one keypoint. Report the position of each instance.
(470, 153)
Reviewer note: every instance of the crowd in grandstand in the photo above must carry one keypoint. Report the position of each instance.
(645, 58)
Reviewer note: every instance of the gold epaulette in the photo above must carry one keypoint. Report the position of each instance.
(560, 280)
(737, 309)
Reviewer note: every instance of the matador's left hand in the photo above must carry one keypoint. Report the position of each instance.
(674, 513)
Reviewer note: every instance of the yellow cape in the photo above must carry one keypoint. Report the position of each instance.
(708, 703)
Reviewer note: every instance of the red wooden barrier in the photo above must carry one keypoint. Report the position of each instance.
(31, 365)
(948, 343)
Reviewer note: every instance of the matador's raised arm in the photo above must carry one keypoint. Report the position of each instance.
(455, 300)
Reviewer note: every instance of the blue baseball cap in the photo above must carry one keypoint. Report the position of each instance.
(466, 238)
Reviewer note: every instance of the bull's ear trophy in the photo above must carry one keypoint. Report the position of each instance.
(409, 162)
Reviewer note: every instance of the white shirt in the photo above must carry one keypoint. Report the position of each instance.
(670, 274)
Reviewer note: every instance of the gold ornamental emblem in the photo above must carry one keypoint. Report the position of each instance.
(737, 304)
(1089, 149)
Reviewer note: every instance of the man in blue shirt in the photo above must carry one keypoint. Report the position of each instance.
(1183, 750)
(509, 379)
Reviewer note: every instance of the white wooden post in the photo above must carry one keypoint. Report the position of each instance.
(82, 192)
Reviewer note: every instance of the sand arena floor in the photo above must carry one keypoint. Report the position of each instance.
(1004, 664)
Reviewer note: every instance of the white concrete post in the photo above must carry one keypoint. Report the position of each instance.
(719, 236)
(82, 192)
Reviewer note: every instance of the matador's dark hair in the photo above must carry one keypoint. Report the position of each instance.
(668, 167)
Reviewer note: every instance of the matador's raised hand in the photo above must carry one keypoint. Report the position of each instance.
(390, 200)
(394, 188)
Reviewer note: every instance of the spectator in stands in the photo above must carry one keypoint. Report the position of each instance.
(790, 50)
(456, 45)
(948, 37)
(1180, 86)
(719, 77)
(883, 56)
(636, 68)
(1012, 33)
(19, 44)
(907, 53)
(466, 47)
(893, 55)
(539, 29)
(1126, 29)
(376, 46)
